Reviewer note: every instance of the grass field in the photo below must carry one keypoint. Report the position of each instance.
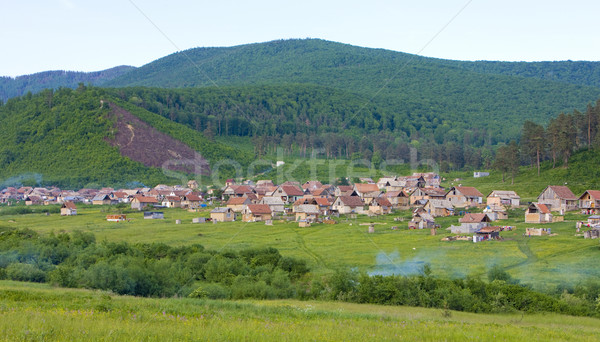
(34, 312)
(543, 262)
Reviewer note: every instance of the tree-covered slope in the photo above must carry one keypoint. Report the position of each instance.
(13, 87)
(419, 88)
(66, 138)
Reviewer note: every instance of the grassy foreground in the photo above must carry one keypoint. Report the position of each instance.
(34, 312)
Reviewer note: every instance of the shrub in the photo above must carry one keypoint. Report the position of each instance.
(25, 272)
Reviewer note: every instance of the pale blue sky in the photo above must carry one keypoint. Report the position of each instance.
(89, 35)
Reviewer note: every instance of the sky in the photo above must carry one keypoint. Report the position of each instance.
(89, 35)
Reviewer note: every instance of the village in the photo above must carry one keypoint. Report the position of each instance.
(479, 217)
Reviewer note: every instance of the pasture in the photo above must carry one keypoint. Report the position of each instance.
(39, 312)
(543, 262)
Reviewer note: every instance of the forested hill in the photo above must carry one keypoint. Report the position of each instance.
(13, 87)
(87, 138)
(419, 89)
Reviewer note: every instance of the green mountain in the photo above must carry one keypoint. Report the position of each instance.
(34, 83)
(425, 93)
(86, 137)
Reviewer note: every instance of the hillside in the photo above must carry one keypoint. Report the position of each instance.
(458, 94)
(34, 83)
(74, 139)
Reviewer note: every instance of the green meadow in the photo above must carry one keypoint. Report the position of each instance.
(565, 258)
(39, 312)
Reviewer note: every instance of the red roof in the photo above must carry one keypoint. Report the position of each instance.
(351, 201)
(237, 200)
(259, 208)
(173, 198)
(322, 201)
(291, 190)
(469, 191)
(193, 197)
(384, 202)
(595, 194)
(242, 189)
(146, 199)
(563, 192)
(364, 188)
(344, 188)
(543, 208)
(69, 205)
(474, 218)
(119, 194)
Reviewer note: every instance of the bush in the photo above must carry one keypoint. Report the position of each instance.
(25, 272)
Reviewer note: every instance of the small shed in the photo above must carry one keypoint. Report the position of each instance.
(487, 233)
(222, 214)
(68, 209)
(116, 218)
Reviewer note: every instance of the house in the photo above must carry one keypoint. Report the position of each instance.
(495, 212)
(538, 213)
(421, 195)
(141, 202)
(33, 200)
(589, 202)
(256, 212)
(479, 174)
(103, 199)
(275, 203)
(464, 196)
(307, 213)
(171, 202)
(191, 201)
(380, 206)
(237, 204)
(348, 205)
(222, 214)
(367, 192)
(119, 197)
(487, 233)
(431, 179)
(311, 186)
(398, 199)
(288, 193)
(421, 220)
(154, 215)
(558, 198)
(438, 208)
(505, 198)
(471, 223)
(68, 209)
(344, 190)
(389, 184)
